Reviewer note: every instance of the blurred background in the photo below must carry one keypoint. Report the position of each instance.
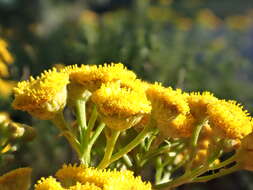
(195, 45)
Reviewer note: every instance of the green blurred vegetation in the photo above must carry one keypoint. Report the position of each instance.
(194, 45)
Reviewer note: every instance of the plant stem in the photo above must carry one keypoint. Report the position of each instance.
(110, 144)
(137, 140)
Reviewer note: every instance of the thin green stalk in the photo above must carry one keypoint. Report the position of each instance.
(225, 163)
(96, 134)
(110, 144)
(159, 170)
(136, 141)
(81, 113)
(222, 172)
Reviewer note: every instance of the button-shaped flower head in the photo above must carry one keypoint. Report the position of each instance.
(120, 108)
(44, 96)
(229, 119)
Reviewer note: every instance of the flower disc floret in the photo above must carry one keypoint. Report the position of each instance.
(49, 183)
(229, 119)
(93, 76)
(44, 96)
(120, 108)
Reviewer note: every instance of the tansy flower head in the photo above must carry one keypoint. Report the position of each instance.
(198, 103)
(179, 127)
(120, 108)
(104, 179)
(5, 56)
(49, 183)
(44, 96)
(229, 120)
(86, 186)
(92, 76)
(16, 179)
(166, 103)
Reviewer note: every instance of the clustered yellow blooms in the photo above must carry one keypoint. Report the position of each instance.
(122, 104)
(73, 177)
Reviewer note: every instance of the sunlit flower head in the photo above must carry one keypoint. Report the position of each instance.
(229, 119)
(179, 127)
(86, 186)
(16, 179)
(166, 102)
(44, 96)
(5, 56)
(49, 183)
(104, 179)
(93, 76)
(120, 108)
(198, 103)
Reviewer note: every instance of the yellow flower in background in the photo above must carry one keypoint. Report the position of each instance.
(208, 19)
(49, 183)
(3, 69)
(5, 56)
(6, 87)
(104, 179)
(89, 17)
(229, 119)
(120, 108)
(92, 76)
(239, 22)
(19, 179)
(198, 103)
(180, 127)
(44, 96)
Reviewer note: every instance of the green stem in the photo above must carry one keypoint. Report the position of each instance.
(222, 172)
(61, 124)
(81, 114)
(225, 163)
(96, 134)
(136, 141)
(110, 144)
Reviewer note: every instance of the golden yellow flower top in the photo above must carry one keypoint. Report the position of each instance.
(166, 102)
(104, 179)
(179, 127)
(16, 179)
(49, 183)
(5, 56)
(120, 108)
(93, 76)
(44, 96)
(198, 103)
(6, 87)
(229, 119)
(3, 69)
(86, 186)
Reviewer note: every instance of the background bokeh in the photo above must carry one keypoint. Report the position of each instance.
(195, 45)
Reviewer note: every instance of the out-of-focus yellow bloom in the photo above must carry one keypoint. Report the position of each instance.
(3, 69)
(49, 183)
(121, 108)
(208, 19)
(160, 14)
(5, 56)
(44, 96)
(198, 103)
(228, 119)
(89, 17)
(6, 87)
(184, 23)
(4, 117)
(92, 76)
(245, 155)
(239, 22)
(105, 179)
(19, 179)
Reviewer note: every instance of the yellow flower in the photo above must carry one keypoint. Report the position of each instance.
(4, 117)
(92, 76)
(179, 127)
(5, 56)
(3, 69)
(86, 186)
(104, 179)
(44, 96)
(120, 108)
(6, 87)
(198, 103)
(228, 119)
(49, 183)
(166, 104)
(19, 179)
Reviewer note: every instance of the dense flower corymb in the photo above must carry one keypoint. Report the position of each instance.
(44, 96)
